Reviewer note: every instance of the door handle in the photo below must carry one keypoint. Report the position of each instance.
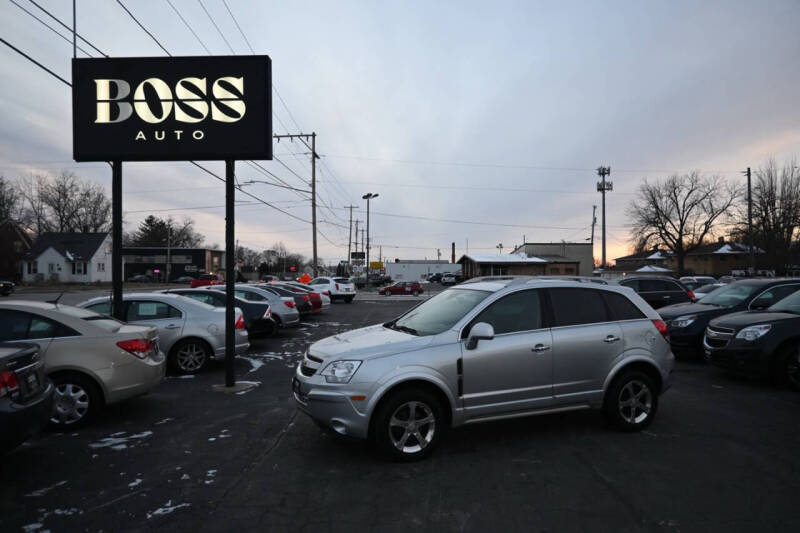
(667, 297)
(611, 338)
(171, 326)
(540, 348)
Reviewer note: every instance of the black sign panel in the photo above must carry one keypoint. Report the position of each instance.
(358, 255)
(172, 108)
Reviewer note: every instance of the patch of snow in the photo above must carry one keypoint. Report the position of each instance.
(135, 483)
(36, 526)
(67, 512)
(117, 442)
(185, 476)
(42, 492)
(167, 509)
(164, 421)
(186, 376)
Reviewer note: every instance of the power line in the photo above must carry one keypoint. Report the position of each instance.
(67, 27)
(199, 40)
(46, 25)
(143, 28)
(217, 27)
(238, 27)
(32, 60)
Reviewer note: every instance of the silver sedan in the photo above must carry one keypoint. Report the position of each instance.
(191, 333)
(93, 360)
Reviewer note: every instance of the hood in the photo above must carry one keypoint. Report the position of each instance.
(674, 311)
(372, 341)
(748, 318)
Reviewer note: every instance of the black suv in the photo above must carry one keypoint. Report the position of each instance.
(659, 291)
(761, 343)
(687, 322)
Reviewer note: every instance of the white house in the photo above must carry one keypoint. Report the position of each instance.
(69, 258)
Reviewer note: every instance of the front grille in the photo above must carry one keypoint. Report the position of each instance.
(307, 371)
(716, 343)
(720, 331)
(717, 337)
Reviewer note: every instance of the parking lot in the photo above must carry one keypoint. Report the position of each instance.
(720, 456)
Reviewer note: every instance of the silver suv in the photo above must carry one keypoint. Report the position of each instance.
(485, 351)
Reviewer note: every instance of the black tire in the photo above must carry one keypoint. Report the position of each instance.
(385, 434)
(270, 329)
(631, 386)
(787, 370)
(190, 356)
(71, 391)
(349, 299)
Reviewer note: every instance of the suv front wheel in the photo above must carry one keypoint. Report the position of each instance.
(631, 401)
(408, 424)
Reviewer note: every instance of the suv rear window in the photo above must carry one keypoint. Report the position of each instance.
(658, 285)
(621, 308)
(572, 307)
(341, 280)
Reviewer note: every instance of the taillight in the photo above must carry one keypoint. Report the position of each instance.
(690, 294)
(661, 326)
(9, 383)
(140, 348)
(337, 286)
(327, 293)
(239, 322)
(289, 303)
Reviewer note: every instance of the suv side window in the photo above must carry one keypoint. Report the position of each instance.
(632, 283)
(621, 308)
(145, 310)
(656, 285)
(520, 311)
(774, 295)
(573, 307)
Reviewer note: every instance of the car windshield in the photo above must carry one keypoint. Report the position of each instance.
(790, 304)
(440, 313)
(731, 295)
(707, 288)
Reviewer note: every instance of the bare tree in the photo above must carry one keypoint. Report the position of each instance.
(94, 214)
(680, 212)
(10, 201)
(776, 211)
(35, 211)
(62, 196)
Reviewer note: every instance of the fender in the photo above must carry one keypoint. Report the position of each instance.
(411, 373)
(627, 358)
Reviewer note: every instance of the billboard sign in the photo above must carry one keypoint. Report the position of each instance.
(171, 108)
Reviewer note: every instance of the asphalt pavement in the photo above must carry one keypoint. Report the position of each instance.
(720, 456)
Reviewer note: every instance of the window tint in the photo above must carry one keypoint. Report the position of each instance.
(319, 281)
(341, 280)
(621, 308)
(632, 283)
(520, 311)
(572, 307)
(253, 296)
(41, 328)
(15, 325)
(104, 308)
(775, 294)
(145, 310)
(204, 298)
(657, 285)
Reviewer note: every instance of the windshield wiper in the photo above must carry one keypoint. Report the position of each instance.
(406, 329)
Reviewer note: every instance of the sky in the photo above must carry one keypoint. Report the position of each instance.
(477, 123)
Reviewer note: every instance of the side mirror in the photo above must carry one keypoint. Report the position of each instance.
(480, 331)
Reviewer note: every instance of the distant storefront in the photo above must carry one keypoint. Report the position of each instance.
(152, 261)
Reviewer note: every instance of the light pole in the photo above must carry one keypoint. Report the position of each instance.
(369, 196)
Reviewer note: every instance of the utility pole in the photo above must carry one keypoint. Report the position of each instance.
(169, 245)
(438, 254)
(500, 247)
(750, 222)
(369, 196)
(304, 137)
(350, 234)
(594, 223)
(603, 187)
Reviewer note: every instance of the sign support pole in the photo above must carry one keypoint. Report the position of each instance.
(117, 310)
(230, 278)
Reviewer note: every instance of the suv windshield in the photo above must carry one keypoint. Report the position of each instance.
(731, 295)
(790, 304)
(440, 313)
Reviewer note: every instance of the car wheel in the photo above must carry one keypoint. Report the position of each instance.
(408, 425)
(631, 401)
(190, 356)
(789, 366)
(76, 400)
(271, 329)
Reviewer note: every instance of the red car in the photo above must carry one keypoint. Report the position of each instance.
(403, 287)
(206, 279)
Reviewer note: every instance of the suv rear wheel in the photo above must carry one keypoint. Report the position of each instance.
(788, 368)
(631, 401)
(408, 424)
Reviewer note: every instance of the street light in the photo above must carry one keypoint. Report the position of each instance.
(369, 196)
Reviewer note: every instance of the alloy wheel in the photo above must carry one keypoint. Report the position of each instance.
(635, 402)
(71, 404)
(412, 427)
(191, 357)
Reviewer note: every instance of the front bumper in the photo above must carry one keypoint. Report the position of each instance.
(331, 405)
(748, 360)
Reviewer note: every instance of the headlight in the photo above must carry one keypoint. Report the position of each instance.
(684, 321)
(340, 371)
(751, 333)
